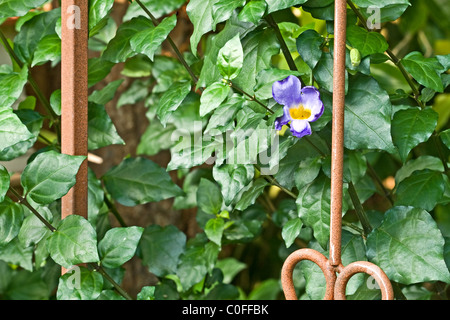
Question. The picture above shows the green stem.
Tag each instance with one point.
(440, 151)
(25, 202)
(119, 289)
(114, 211)
(274, 182)
(362, 216)
(284, 48)
(252, 98)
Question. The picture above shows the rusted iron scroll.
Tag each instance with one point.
(336, 274)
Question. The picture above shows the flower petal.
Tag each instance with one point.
(287, 91)
(284, 119)
(311, 100)
(300, 128)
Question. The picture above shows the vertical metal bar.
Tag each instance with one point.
(337, 153)
(74, 98)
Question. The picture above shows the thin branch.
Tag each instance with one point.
(112, 208)
(360, 212)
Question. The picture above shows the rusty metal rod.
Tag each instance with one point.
(337, 141)
(74, 98)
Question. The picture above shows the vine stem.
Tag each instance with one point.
(360, 212)
(95, 266)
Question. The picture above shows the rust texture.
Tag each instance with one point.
(74, 98)
(336, 275)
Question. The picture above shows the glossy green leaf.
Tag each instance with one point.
(250, 195)
(4, 182)
(106, 94)
(223, 9)
(308, 46)
(209, 197)
(231, 58)
(171, 100)
(155, 138)
(313, 205)
(276, 5)
(32, 32)
(420, 163)
(148, 41)
(222, 117)
(307, 171)
(11, 85)
(212, 97)
(33, 230)
(101, 130)
(232, 179)
(422, 189)
(119, 245)
(214, 230)
(426, 71)
(95, 195)
(50, 176)
(291, 230)
(253, 11)
(411, 127)
(79, 283)
(17, 8)
(445, 137)
(11, 217)
(408, 246)
(119, 48)
(323, 72)
(139, 180)
(99, 11)
(366, 42)
(73, 242)
(368, 115)
(161, 248)
(48, 49)
(200, 13)
(98, 69)
(157, 7)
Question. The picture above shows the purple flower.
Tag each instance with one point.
(300, 105)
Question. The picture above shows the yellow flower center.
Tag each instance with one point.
(300, 113)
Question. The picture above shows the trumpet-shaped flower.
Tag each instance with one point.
(300, 105)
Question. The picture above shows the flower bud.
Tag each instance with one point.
(355, 57)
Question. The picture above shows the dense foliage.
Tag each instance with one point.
(259, 193)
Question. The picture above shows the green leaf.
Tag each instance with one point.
(232, 179)
(171, 100)
(291, 230)
(148, 41)
(73, 242)
(48, 49)
(161, 248)
(138, 180)
(32, 32)
(253, 11)
(259, 46)
(95, 195)
(50, 176)
(99, 11)
(11, 85)
(212, 97)
(445, 137)
(276, 5)
(11, 217)
(155, 138)
(17, 8)
(367, 115)
(101, 130)
(33, 230)
(426, 71)
(223, 9)
(231, 58)
(307, 171)
(313, 203)
(408, 246)
(4, 182)
(250, 195)
(98, 69)
(420, 163)
(12, 131)
(366, 42)
(79, 283)
(146, 293)
(106, 94)
(323, 72)
(223, 116)
(119, 48)
(200, 13)
(16, 253)
(214, 230)
(308, 46)
(209, 197)
(422, 189)
(157, 7)
(411, 127)
(55, 101)
(119, 245)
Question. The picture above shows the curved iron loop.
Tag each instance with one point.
(287, 281)
(369, 268)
